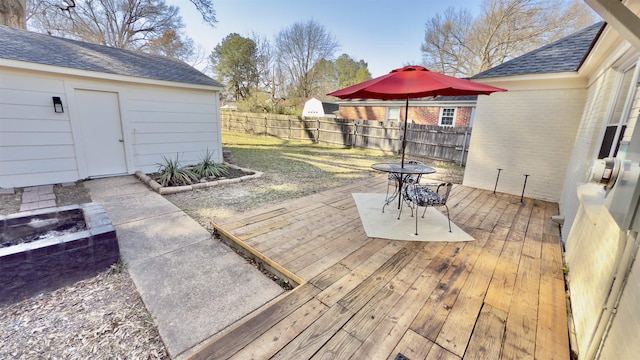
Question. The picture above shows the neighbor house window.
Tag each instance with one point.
(619, 117)
(446, 116)
(393, 114)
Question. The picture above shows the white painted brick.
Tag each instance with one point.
(524, 132)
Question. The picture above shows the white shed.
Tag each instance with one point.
(316, 108)
(72, 110)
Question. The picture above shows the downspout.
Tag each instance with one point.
(625, 258)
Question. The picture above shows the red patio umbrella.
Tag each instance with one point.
(412, 82)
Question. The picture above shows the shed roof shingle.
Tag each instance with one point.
(21, 45)
(566, 54)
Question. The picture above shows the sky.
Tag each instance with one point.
(387, 34)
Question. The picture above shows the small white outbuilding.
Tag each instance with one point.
(316, 108)
(72, 110)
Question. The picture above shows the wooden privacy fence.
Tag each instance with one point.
(425, 141)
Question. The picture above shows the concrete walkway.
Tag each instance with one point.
(193, 285)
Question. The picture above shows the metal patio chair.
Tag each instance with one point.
(408, 179)
(416, 195)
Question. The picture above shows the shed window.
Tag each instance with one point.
(619, 117)
(393, 114)
(447, 116)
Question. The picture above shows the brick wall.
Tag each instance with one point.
(524, 132)
(586, 144)
(378, 113)
(419, 114)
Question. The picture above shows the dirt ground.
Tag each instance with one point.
(102, 317)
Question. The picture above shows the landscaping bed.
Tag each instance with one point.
(235, 174)
(101, 317)
(52, 247)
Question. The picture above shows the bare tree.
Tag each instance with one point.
(299, 48)
(12, 13)
(266, 65)
(129, 24)
(445, 49)
(460, 45)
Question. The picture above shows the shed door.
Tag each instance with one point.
(102, 141)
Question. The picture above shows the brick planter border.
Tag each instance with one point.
(176, 189)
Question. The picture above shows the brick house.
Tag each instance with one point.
(453, 111)
(569, 104)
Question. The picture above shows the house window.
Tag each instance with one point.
(619, 117)
(447, 116)
(393, 114)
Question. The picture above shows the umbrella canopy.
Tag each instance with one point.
(412, 82)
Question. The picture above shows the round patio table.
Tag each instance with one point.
(402, 172)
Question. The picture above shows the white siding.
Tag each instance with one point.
(173, 123)
(524, 132)
(39, 146)
(36, 144)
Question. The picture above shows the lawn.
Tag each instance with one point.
(291, 169)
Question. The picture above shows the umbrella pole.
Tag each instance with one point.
(406, 123)
(404, 145)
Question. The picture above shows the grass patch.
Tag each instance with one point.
(315, 162)
(291, 169)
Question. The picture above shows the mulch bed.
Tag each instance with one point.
(102, 317)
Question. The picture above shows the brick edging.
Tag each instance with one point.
(176, 189)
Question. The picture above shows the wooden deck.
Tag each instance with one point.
(499, 297)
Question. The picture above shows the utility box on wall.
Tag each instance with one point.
(621, 178)
(622, 199)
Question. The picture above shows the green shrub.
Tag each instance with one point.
(207, 167)
(171, 173)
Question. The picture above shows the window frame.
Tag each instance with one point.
(442, 115)
(389, 109)
(620, 122)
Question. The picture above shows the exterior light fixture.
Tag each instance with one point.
(57, 105)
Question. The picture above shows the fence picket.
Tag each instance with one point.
(425, 141)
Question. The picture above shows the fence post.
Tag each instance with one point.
(266, 128)
(352, 137)
(355, 134)
(464, 146)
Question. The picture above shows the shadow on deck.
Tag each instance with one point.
(500, 296)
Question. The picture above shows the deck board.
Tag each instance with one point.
(500, 296)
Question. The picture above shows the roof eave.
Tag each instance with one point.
(527, 77)
(621, 16)
(541, 81)
(23, 65)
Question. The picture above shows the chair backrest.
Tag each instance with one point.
(417, 178)
(446, 191)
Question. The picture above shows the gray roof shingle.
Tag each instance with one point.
(566, 54)
(21, 45)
